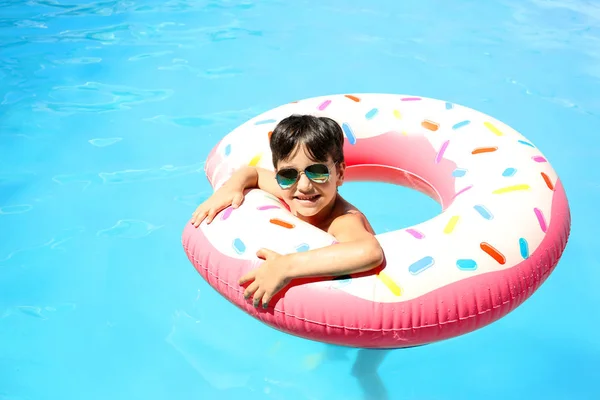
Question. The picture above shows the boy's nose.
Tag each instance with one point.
(304, 183)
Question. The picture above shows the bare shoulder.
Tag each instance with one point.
(349, 220)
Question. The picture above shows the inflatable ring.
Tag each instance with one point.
(504, 224)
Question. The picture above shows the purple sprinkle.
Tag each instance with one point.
(440, 154)
(462, 191)
(538, 159)
(269, 207)
(415, 233)
(324, 105)
(411, 99)
(541, 219)
(226, 213)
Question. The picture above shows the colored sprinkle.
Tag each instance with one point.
(451, 224)
(335, 242)
(509, 189)
(270, 133)
(226, 213)
(239, 246)
(440, 153)
(449, 106)
(524, 247)
(264, 121)
(526, 143)
(459, 172)
(461, 191)
(541, 219)
(371, 114)
(492, 252)
(387, 281)
(461, 124)
(349, 133)
(410, 99)
(227, 150)
(432, 126)
(354, 98)
(493, 128)
(483, 211)
(508, 172)
(397, 114)
(269, 207)
(255, 160)
(466, 264)
(539, 159)
(421, 265)
(324, 105)
(548, 181)
(271, 197)
(303, 247)
(415, 233)
(481, 150)
(283, 224)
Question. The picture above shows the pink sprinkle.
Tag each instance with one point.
(462, 191)
(411, 99)
(324, 105)
(226, 213)
(415, 233)
(541, 219)
(538, 159)
(269, 207)
(440, 154)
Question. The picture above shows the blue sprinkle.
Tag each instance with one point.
(239, 246)
(461, 124)
(449, 106)
(526, 143)
(349, 134)
(421, 265)
(302, 247)
(265, 121)
(227, 150)
(466, 264)
(459, 172)
(371, 113)
(508, 172)
(524, 247)
(483, 211)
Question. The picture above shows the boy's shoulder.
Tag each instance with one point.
(346, 213)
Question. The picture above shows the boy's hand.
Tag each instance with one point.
(224, 197)
(268, 279)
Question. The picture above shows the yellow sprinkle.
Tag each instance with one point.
(397, 114)
(404, 133)
(492, 128)
(510, 189)
(451, 224)
(254, 162)
(387, 281)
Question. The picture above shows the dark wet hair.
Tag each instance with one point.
(322, 137)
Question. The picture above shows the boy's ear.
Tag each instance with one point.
(341, 169)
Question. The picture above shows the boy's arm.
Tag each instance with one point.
(357, 251)
(254, 177)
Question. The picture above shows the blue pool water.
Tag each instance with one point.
(108, 110)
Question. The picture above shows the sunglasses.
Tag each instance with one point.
(287, 177)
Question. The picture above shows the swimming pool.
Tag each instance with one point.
(107, 113)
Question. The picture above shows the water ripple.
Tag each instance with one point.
(103, 142)
(129, 228)
(99, 97)
(16, 209)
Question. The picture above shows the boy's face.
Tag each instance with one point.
(305, 197)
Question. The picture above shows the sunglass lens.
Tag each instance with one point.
(287, 177)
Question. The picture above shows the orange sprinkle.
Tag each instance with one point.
(495, 254)
(277, 221)
(548, 181)
(356, 99)
(432, 126)
(270, 133)
(484, 150)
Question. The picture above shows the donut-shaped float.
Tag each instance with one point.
(504, 224)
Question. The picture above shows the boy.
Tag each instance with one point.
(309, 167)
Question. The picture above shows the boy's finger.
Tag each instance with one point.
(250, 289)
